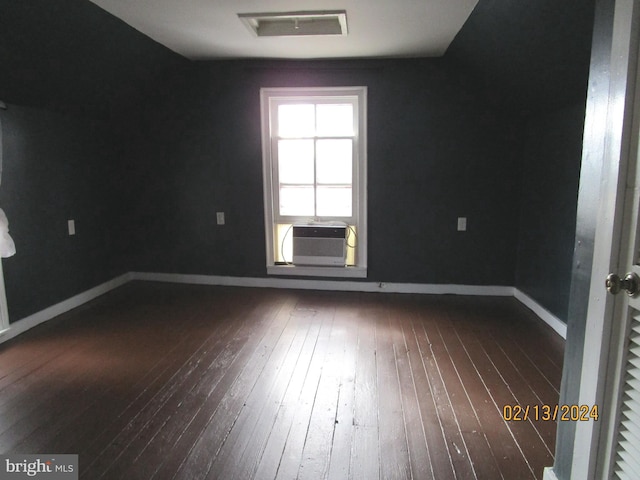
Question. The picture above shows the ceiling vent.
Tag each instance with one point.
(289, 24)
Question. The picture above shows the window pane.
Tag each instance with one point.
(335, 120)
(295, 161)
(296, 120)
(334, 161)
(334, 201)
(296, 201)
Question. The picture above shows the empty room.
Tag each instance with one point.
(319, 239)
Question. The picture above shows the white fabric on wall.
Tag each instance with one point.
(7, 246)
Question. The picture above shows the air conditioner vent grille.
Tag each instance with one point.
(303, 23)
(319, 245)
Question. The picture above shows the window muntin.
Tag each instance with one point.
(313, 154)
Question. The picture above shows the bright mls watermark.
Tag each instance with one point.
(50, 467)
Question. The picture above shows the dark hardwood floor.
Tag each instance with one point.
(160, 381)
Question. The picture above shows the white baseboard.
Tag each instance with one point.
(548, 317)
(31, 321)
(549, 474)
(20, 326)
(347, 286)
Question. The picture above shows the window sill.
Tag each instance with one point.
(310, 271)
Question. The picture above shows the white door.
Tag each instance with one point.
(618, 455)
(610, 375)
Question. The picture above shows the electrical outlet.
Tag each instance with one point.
(220, 218)
(462, 224)
(71, 226)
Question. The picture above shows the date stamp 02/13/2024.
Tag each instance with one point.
(562, 413)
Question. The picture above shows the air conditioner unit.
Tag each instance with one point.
(323, 245)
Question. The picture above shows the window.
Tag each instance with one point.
(314, 160)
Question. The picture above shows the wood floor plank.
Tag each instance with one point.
(535, 439)
(419, 456)
(216, 420)
(475, 441)
(522, 392)
(365, 451)
(24, 409)
(293, 449)
(103, 386)
(544, 343)
(154, 393)
(546, 391)
(282, 423)
(246, 456)
(324, 414)
(234, 404)
(161, 381)
(535, 340)
(340, 458)
(448, 414)
(150, 427)
(504, 448)
(394, 464)
(432, 423)
(239, 451)
(178, 437)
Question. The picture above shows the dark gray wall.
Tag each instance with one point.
(70, 74)
(434, 153)
(531, 61)
(72, 56)
(529, 56)
(548, 199)
(57, 167)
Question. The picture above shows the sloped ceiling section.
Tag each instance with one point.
(527, 56)
(71, 55)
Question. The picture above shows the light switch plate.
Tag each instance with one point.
(220, 218)
(462, 224)
(71, 226)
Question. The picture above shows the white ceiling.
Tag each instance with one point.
(211, 29)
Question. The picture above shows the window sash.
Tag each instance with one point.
(315, 184)
(283, 217)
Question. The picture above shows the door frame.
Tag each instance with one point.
(608, 141)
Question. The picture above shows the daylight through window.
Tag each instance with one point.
(314, 149)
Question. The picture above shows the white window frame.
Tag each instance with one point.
(269, 99)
